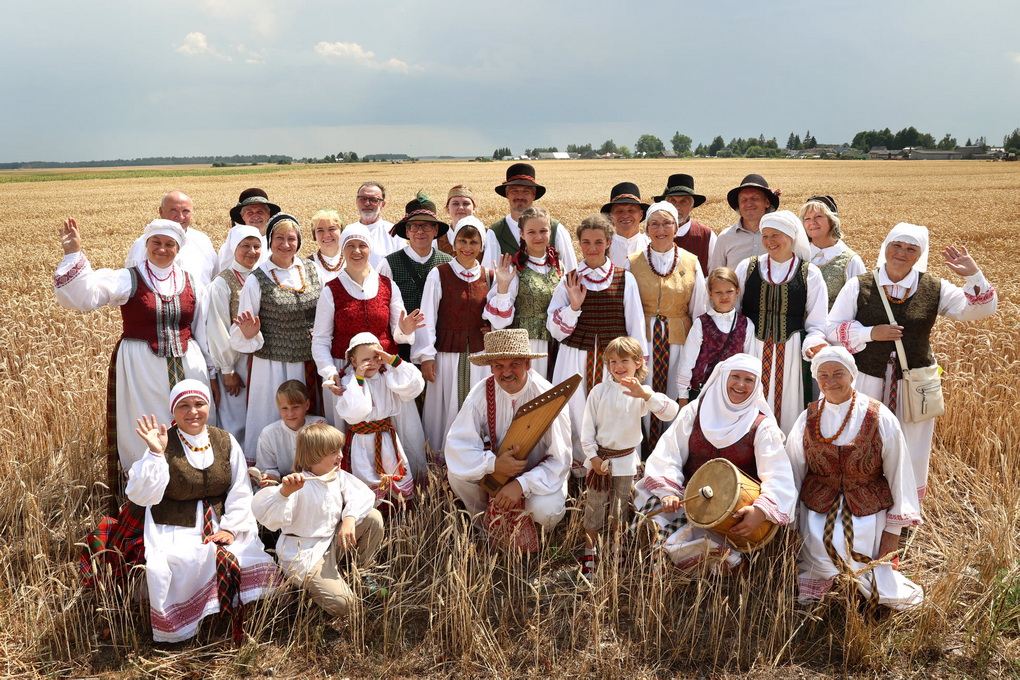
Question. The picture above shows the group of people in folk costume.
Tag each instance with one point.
(334, 377)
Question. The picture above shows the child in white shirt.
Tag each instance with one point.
(274, 455)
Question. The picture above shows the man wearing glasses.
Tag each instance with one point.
(370, 201)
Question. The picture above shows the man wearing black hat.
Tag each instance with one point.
(691, 235)
(753, 199)
(197, 256)
(504, 237)
(627, 212)
(410, 266)
(370, 201)
(254, 210)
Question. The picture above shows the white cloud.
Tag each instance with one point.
(1014, 57)
(196, 44)
(359, 55)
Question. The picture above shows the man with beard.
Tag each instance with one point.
(370, 201)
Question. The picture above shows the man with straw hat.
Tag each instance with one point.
(691, 235)
(504, 236)
(627, 212)
(476, 434)
(752, 199)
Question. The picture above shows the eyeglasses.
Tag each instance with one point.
(372, 200)
(414, 228)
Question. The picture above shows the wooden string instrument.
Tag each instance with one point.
(528, 425)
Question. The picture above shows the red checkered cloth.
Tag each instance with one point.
(114, 547)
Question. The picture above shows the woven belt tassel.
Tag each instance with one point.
(593, 366)
(891, 382)
(228, 577)
(774, 353)
(848, 534)
(380, 428)
(113, 476)
(463, 377)
(174, 370)
(660, 373)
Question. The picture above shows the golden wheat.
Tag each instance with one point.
(454, 607)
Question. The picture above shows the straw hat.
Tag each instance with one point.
(509, 343)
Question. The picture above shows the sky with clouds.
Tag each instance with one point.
(124, 79)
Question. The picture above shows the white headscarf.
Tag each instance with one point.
(662, 206)
(239, 233)
(788, 223)
(169, 228)
(465, 221)
(833, 353)
(189, 388)
(355, 232)
(913, 234)
(722, 421)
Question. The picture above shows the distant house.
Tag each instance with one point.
(883, 153)
(934, 155)
(666, 153)
(556, 155)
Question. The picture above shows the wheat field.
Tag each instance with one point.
(455, 609)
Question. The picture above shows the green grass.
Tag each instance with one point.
(12, 176)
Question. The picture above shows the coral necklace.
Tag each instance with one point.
(651, 264)
(603, 279)
(846, 421)
(788, 271)
(327, 266)
(153, 278)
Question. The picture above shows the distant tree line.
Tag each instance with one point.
(153, 160)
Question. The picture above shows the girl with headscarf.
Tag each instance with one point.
(730, 419)
(785, 296)
(275, 315)
(244, 243)
(358, 300)
(163, 310)
(858, 321)
(857, 488)
(202, 550)
(833, 258)
(673, 294)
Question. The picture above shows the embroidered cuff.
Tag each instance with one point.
(843, 336)
(560, 318)
(980, 298)
(771, 510)
(495, 311)
(899, 521)
(61, 280)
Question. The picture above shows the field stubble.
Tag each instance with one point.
(454, 608)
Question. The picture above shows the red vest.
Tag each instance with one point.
(854, 470)
(696, 242)
(352, 316)
(163, 322)
(459, 319)
(740, 452)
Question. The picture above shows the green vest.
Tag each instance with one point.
(410, 275)
(834, 274)
(531, 309)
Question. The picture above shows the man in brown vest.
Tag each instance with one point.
(691, 235)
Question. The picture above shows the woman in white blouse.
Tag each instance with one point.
(829, 253)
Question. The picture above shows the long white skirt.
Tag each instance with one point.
(143, 388)
(180, 572)
(441, 405)
(917, 435)
(815, 570)
(266, 378)
(793, 380)
(233, 411)
(572, 361)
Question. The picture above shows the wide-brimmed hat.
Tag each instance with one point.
(624, 193)
(753, 181)
(250, 197)
(680, 184)
(509, 343)
(419, 208)
(521, 174)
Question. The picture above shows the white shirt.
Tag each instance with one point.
(277, 446)
(622, 248)
(382, 243)
(612, 420)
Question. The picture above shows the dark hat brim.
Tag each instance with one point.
(539, 189)
(400, 228)
(698, 198)
(731, 197)
(235, 212)
(608, 207)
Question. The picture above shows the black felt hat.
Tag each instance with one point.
(680, 185)
(419, 208)
(753, 182)
(521, 174)
(625, 193)
(250, 197)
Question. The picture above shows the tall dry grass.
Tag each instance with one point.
(455, 608)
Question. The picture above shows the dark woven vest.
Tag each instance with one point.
(696, 241)
(352, 316)
(235, 290)
(531, 308)
(854, 470)
(777, 309)
(917, 315)
(602, 316)
(287, 317)
(508, 245)
(834, 273)
(716, 346)
(740, 452)
(459, 318)
(163, 322)
(188, 485)
(410, 275)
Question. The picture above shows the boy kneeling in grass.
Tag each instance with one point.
(322, 511)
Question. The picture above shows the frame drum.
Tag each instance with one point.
(714, 492)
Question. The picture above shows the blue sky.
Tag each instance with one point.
(124, 79)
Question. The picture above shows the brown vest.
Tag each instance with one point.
(459, 317)
(696, 241)
(667, 296)
(854, 470)
(602, 316)
(917, 315)
(188, 485)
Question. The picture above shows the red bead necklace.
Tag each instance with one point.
(651, 264)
